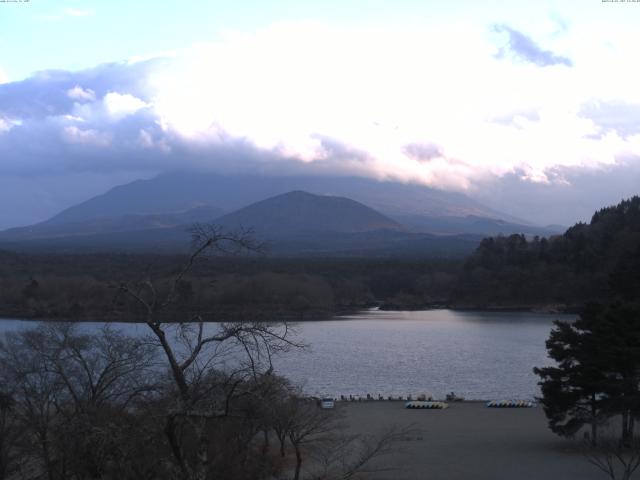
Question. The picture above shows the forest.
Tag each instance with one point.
(238, 287)
(599, 259)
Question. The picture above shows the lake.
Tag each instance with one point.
(478, 355)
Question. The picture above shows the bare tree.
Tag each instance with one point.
(348, 457)
(332, 453)
(308, 424)
(193, 352)
(107, 368)
(10, 433)
(37, 393)
(70, 391)
(617, 459)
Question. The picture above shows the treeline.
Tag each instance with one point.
(58, 286)
(598, 260)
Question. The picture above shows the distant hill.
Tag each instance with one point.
(301, 212)
(180, 191)
(292, 224)
(590, 261)
(155, 213)
(147, 203)
(473, 224)
(110, 224)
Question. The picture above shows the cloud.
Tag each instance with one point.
(77, 135)
(613, 115)
(120, 105)
(523, 47)
(78, 93)
(7, 124)
(431, 106)
(570, 195)
(307, 101)
(517, 119)
(423, 152)
(46, 92)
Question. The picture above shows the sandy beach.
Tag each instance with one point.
(470, 441)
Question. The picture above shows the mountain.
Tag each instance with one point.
(417, 207)
(110, 224)
(473, 224)
(299, 212)
(292, 224)
(351, 215)
(179, 191)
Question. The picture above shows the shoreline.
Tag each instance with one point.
(543, 308)
(341, 316)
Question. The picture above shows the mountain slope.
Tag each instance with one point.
(180, 191)
(472, 224)
(111, 224)
(301, 212)
(292, 224)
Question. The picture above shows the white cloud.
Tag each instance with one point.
(378, 90)
(73, 134)
(4, 78)
(79, 93)
(294, 90)
(73, 118)
(7, 124)
(120, 105)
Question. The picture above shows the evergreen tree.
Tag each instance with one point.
(573, 392)
(617, 330)
(598, 371)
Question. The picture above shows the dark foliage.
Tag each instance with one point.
(598, 371)
(595, 260)
(77, 286)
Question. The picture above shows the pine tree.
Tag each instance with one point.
(598, 371)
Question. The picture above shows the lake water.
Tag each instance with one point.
(478, 355)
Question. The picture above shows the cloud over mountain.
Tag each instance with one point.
(432, 105)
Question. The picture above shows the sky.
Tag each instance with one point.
(531, 107)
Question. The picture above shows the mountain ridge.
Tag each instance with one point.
(302, 212)
(292, 224)
(111, 224)
(178, 191)
(157, 212)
